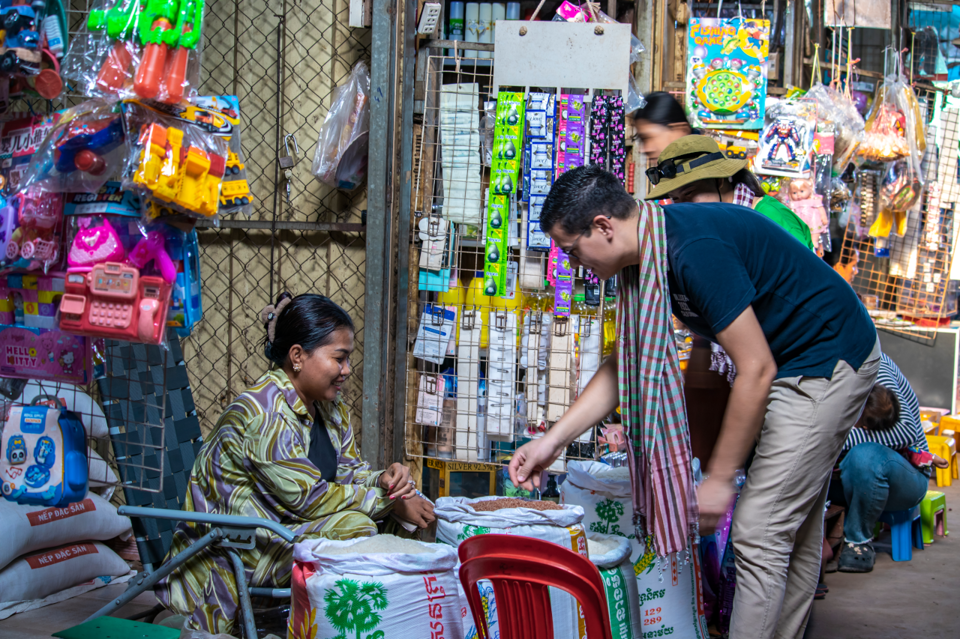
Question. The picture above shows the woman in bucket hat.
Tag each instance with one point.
(693, 169)
(806, 353)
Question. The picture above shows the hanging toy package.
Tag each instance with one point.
(175, 166)
(341, 156)
(895, 129)
(836, 109)
(103, 55)
(81, 152)
(786, 142)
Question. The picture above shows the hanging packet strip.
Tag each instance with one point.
(564, 285)
(607, 147)
(574, 113)
(438, 325)
(504, 176)
(538, 164)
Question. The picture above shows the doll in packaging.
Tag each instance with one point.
(809, 207)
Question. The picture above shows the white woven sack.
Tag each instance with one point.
(37, 575)
(457, 521)
(30, 528)
(671, 596)
(604, 493)
(674, 601)
(620, 586)
(379, 595)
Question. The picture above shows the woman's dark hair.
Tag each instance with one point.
(745, 177)
(882, 410)
(661, 108)
(308, 320)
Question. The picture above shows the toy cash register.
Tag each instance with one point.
(114, 300)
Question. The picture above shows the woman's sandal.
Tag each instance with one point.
(857, 557)
(822, 591)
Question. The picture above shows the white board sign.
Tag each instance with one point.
(562, 54)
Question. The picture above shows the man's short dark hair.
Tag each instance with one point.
(581, 194)
(882, 410)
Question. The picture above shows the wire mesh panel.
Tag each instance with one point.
(489, 370)
(904, 257)
(284, 62)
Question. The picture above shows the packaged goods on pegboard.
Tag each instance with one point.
(508, 333)
(899, 224)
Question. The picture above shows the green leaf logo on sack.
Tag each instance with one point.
(352, 608)
(610, 512)
(472, 531)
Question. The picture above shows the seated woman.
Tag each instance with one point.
(700, 172)
(885, 465)
(284, 450)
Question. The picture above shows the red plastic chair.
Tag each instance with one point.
(521, 569)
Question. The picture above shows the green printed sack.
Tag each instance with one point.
(611, 556)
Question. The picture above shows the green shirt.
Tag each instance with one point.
(786, 219)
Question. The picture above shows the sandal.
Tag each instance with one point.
(857, 557)
(822, 591)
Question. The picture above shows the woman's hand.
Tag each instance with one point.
(396, 481)
(940, 462)
(417, 511)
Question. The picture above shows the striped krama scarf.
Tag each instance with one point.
(651, 396)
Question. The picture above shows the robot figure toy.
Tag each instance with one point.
(782, 134)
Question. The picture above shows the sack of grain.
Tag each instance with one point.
(38, 575)
(673, 601)
(30, 528)
(375, 588)
(604, 493)
(611, 555)
(671, 597)
(459, 518)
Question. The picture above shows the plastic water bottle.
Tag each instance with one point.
(51, 29)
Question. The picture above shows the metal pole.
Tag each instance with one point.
(146, 582)
(409, 52)
(276, 163)
(243, 592)
(378, 227)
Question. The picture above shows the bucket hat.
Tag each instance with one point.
(690, 159)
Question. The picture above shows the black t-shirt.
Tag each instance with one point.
(724, 258)
(322, 454)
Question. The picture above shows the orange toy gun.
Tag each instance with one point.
(120, 23)
(167, 25)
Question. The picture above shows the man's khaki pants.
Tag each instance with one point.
(778, 524)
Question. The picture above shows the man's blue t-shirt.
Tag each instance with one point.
(724, 258)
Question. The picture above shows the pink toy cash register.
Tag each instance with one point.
(114, 300)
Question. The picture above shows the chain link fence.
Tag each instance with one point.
(284, 61)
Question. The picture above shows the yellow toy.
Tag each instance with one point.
(235, 192)
(186, 178)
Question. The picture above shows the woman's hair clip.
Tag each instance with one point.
(270, 314)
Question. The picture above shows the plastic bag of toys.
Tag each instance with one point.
(895, 129)
(105, 53)
(82, 151)
(786, 142)
(341, 156)
(836, 108)
(147, 48)
(175, 166)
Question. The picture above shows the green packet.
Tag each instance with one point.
(503, 180)
(510, 110)
(496, 250)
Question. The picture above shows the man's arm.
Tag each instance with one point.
(745, 343)
(599, 399)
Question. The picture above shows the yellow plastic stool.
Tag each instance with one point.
(945, 447)
(947, 422)
(933, 515)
